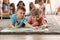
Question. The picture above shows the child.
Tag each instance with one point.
(5, 6)
(12, 8)
(18, 20)
(36, 19)
(31, 6)
(20, 3)
(42, 7)
(0, 10)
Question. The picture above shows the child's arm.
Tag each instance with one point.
(30, 26)
(35, 24)
(11, 24)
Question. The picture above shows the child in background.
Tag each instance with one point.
(21, 3)
(36, 19)
(0, 10)
(42, 7)
(12, 8)
(31, 6)
(5, 6)
(18, 19)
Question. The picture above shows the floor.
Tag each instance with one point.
(29, 37)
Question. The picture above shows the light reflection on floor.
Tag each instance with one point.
(29, 37)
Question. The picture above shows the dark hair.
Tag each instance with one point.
(20, 2)
(21, 7)
(39, 1)
(13, 5)
(35, 12)
(30, 5)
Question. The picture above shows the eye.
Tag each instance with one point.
(20, 12)
(37, 16)
(33, 17)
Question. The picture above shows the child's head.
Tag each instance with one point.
(20, 11)
(20, 3)
(35, 14)
(12, 6)
(31, 5)
(40, 2)
(5, 2)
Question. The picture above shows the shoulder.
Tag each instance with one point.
(13, 16)
(29, 18)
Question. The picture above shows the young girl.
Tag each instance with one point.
(42, 7)
(12, 8)
(5, 6)
(36, 19)
(21, 3)
(0, 10)
(31, 6)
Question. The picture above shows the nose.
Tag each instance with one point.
(22, 14)
(35, 18)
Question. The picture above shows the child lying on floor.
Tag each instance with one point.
(36, 19)
(18, 20)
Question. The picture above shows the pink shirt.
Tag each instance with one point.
(31, 21)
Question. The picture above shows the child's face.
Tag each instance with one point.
(11, 8)
(20, 13)
(20, 4)
(6, 1)
(40, 3)
(32, 5)
(35, 17)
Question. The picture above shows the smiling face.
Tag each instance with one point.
(20, 13)
(35, 18)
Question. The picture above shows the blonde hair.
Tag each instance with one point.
(35, 12)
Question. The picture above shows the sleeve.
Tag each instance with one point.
(24, 20)
(29, 19)
(12, 19)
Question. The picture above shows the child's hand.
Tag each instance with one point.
(44, 26)
(35, 24)
(35, 28)
(17, 26)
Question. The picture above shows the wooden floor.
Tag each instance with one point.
(29, 37)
